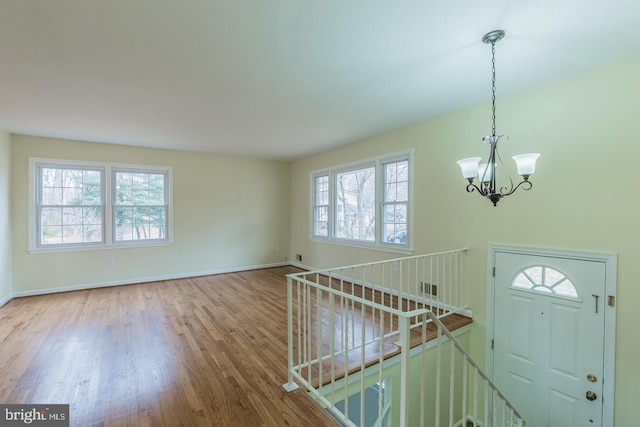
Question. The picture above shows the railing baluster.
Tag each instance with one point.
(290, 383)
(431, 283)
(452, 383)
(504, 413)
(475, 397)
(486, 403)
(403, 324)
(332, 338)
(363, 321)
(388, 290)
(381, 400)
(423, 369)
(345, 349)
(438, 373)
(465, 372)
(319, 336)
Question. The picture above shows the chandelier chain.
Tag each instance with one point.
(493, 87)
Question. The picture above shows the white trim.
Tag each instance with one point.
(382, 247)
(6, 299)
(138, 280)
(107, 226)
(414, 298)
(377, 244)
(101, 246)
(610, 260)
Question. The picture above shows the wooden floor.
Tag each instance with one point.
(327, 370)
(207, 351)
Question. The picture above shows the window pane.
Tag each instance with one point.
(62, 193)
(321, 221)
(51, 196)
(396, 196)
(124, 223)
(51, 235)
(355, 204)
(396, 179)
(140, 206)
(321, 206)
(545, 280)
(91, 188)
(346, 202)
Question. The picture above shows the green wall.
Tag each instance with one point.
(229, 213)
(588, 131)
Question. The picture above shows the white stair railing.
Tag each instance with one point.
(352, 327)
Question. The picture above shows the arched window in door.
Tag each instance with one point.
(545, 280)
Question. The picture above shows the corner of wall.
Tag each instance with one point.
(6, 276)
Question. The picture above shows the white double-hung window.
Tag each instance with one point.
(78, 205)
(365, 203)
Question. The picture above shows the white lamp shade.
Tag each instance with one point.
(526, 163)
(469, 167)
(485, 172)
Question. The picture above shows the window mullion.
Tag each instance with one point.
(358, 202)
(107, 206)
(72, 204)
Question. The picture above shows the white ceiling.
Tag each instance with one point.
(282, 78)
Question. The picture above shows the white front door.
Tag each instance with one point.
(548, 348)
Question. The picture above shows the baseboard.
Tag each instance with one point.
(140, 280)
(302, 266)
(5, 300)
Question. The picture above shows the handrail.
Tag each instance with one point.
(386, 261)
(441, 327)
(348, 326)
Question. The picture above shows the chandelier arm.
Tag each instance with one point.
(525, 184)
(505, 191)
(487, 172)
(471, 187)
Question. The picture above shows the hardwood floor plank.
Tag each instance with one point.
(202, 351)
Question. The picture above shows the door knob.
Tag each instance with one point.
(591, 395)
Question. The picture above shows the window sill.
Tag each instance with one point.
(370, 246)
(97, 247)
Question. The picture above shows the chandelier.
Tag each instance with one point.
(472, 168)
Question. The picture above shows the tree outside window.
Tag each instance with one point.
(71, 209)
(139, 205)
(367, 203)
(70, 205)
(356, 201)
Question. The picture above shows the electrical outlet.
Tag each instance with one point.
(277, 248)
(299, 257)
(111, 262)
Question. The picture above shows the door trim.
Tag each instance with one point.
(610, 260)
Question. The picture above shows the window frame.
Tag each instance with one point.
(379, 164)
(114, 206)
(315, 206)
(383, 197)
(333, 201)
(40, 205)
(108, 192)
